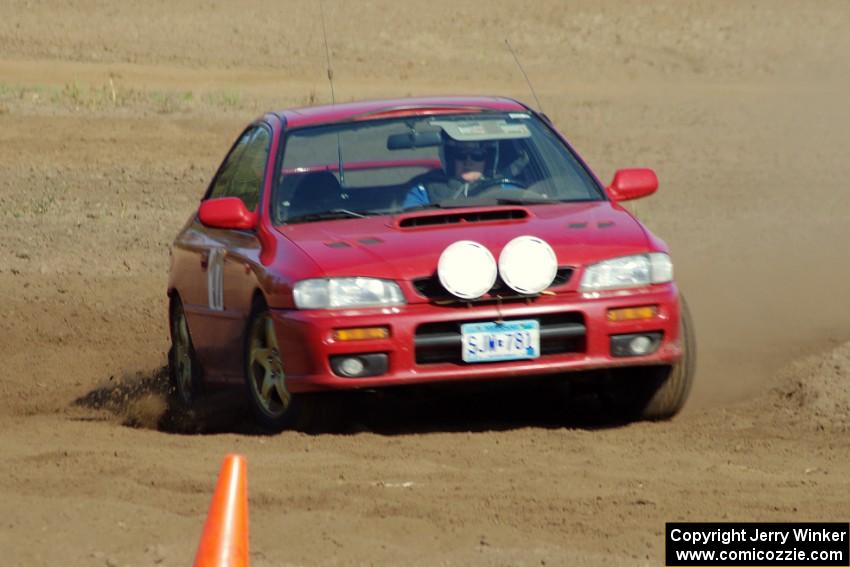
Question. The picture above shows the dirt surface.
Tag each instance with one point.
(112, 120)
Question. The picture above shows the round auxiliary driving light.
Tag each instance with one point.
(467, 269)
(528, 264)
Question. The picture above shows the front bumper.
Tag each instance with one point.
(307, 343)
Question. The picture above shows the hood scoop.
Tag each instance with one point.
(478, 215)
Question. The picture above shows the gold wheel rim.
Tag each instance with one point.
(265, 369)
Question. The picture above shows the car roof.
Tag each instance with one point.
(326, 114)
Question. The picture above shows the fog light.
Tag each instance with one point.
(640, 345)
(351, 366)
(360, 365)
(635, 344)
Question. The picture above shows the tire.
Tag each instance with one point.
(666, 389)
(184, 372)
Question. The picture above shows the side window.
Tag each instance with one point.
(248, 178)
(225, 176)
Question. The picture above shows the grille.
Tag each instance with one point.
(431, 287)
(560, 333)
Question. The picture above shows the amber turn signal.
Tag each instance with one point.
(633, 313)
(361, 333)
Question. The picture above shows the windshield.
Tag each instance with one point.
(390, 166)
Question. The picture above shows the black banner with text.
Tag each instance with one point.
(762, 544)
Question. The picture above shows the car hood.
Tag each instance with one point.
(400, 248)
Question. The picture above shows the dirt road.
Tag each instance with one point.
(112, 120)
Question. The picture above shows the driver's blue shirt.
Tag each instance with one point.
(416, 197)
(420, 194)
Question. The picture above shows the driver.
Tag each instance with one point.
(465, 164)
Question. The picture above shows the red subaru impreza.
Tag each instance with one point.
(385, 243)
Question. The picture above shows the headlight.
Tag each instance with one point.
(628, 271)
(338, 293)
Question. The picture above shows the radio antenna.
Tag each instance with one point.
(518, 64)
(327, 53)
(341, 170)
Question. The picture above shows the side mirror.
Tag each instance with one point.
(227, 212)
(632, 184)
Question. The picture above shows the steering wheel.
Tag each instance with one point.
(484, 185)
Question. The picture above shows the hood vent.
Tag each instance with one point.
(489, 215)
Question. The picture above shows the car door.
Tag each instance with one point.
(233, 255)
(198, 258)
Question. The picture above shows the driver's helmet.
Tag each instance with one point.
(458, 150)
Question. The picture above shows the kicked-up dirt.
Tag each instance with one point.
(112, 120)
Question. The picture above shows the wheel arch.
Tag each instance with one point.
(258, 300)
(173, 294)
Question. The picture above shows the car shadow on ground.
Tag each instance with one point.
(147, 400)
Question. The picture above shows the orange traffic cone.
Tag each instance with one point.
(224, 542)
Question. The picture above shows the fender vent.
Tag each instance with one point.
(490, 215)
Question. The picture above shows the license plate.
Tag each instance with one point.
(508, 340)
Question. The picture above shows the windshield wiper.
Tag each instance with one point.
(472, 202)
(327, 215)
(449, 204)
(423, 207)
(539, 201)
(520, 201)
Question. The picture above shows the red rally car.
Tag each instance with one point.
(385, 243)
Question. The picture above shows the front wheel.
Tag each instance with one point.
(270, 401)
(274, 406)
(666, 389)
